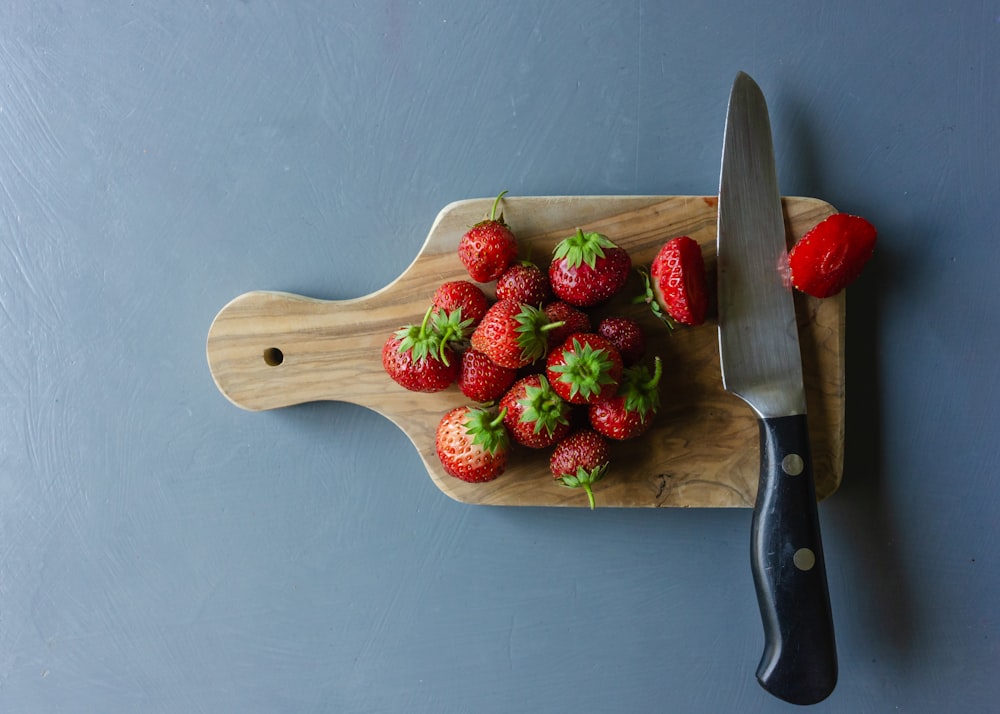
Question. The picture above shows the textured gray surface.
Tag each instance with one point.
(163, 551)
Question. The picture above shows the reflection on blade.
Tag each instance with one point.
(758, 335)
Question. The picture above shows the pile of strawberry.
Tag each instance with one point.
(541, 374)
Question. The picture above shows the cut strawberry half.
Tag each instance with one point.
(676, 284)
(831, 256)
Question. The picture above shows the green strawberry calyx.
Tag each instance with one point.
(581, 248)
(423, 341)
(585, 369)
(585, 479)
(493, 211)
(487, 429)
(532, 330)
(450, 328)
(649, 298)
(640, 390)
(493, 217)
(543, 407)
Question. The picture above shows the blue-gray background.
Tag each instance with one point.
(164, 551)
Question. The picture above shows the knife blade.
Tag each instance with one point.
(761, 363)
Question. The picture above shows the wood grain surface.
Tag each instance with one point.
(272, 349)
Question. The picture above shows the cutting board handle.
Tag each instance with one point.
(275, 349)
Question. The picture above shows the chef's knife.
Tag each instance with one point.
(761, 363)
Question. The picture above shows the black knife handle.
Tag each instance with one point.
(799, 663)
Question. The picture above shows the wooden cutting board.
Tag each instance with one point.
(274, 349)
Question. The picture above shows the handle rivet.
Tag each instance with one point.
(793, 464)
(804, 559)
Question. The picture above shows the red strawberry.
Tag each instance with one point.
(472, 444)
(581, 460)
(488, 247)
(626, 335)
(679, 282)
(572, 319)
(512, 334)
(585, 368)
(524, 282)
(630, 411)
(481, 379)
(588, 269)
(535, 415)
(420, 358)
(831, 256)
(461, 294)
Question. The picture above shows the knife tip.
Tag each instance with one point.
(746, 86)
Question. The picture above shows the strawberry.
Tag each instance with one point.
(585, 368)
(512, 334)
(678, 282)
(581, 460)
(831, 255)
(535, 415)
(488, 247)
(472, 444)
(481, 379)
(588, 269)
(420, 357)
(570, 318)
(524, 282)
(630, 411)
(626, 335)
(461, 294)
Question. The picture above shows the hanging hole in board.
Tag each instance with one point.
(273, 356)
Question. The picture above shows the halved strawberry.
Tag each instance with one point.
(472, 444)
(679, 282)
(588, 269)
(581, 460)
(629, 413)
(831, 255)
(535, 415)
(488, 247)
(585, 368)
